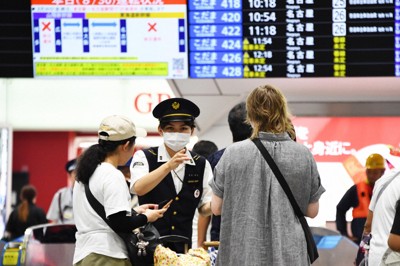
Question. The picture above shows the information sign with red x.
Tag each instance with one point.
(152, 27)
(46, 26)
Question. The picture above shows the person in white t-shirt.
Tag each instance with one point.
(97, 243)
(383, 207)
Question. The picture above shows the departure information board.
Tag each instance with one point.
(293, 38)
(132, 38)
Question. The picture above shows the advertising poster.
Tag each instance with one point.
(340, 146)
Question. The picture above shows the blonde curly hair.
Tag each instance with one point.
(267, 111)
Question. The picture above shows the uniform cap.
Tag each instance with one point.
(375, 161)
(70, 165)
(176, 109)
(117, 127)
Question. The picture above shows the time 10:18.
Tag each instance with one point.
(262, 3)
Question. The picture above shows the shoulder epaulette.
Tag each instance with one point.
(196, 157)
(152, 152)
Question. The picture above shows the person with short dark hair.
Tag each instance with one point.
(60, 210)
(97, 242)
(237, 123)
(171, 171)
(205, 148)
(25, 215)
(240, 131)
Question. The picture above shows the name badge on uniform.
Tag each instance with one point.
(196, 193)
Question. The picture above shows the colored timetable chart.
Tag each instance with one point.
(293, 38)
(124, 38)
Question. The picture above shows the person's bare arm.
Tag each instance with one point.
(205, 209)
(312, 209)
(216, 205)
(202, 226)
(152, 179)
(368, 223)
(394, 242)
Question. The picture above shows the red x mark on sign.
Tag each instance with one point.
(152, 27)
(46, 26)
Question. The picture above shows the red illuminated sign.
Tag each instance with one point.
(145, 102)
(350, 140)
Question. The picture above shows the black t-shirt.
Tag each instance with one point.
(17, 228)
(396, 222)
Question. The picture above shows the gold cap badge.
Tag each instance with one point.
(175, 105)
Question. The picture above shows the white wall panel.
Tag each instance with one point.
(73, 104)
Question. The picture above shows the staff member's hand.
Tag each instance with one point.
(154, 215)
(142, 208)
(177, 159)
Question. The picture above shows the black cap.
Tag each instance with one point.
(176, 109)
(70, 165)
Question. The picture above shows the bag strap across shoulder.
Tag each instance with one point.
(279, 176)
(60, 213)
(384, 186)
(312, 249)
(96, 205)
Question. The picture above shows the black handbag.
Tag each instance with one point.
(312, 249)
(140, 244)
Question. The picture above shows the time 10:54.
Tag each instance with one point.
(262, 16)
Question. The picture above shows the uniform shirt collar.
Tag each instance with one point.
(163, 155)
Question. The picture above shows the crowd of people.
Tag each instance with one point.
(177, 189)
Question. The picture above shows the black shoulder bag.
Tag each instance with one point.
(311, 246)
(60, 214)
(140, 244)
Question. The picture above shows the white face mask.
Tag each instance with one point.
(176, 141)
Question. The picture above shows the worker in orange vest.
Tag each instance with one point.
(358, 198)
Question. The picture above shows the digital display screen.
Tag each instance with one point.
(216, 39)
(132, 38)
(293, 38)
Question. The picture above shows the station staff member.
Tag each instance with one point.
(171, 171)
(358, 197)
(60, 210)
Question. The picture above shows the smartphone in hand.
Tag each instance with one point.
(166, 206)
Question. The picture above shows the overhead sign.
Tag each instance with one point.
(133, 38)
(293, 39)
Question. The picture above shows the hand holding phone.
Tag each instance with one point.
(166, 206)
